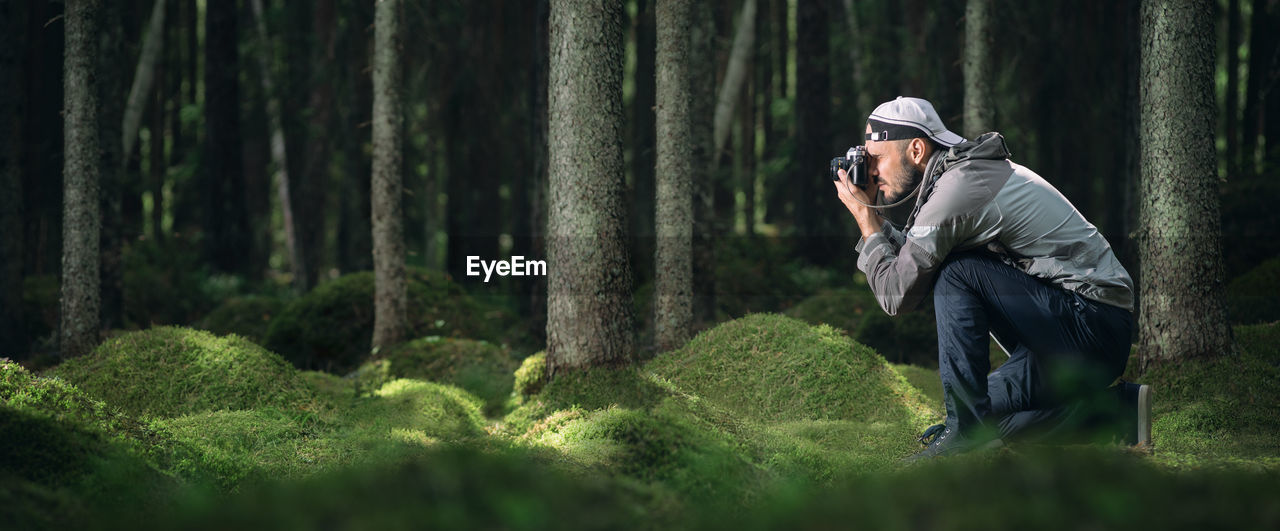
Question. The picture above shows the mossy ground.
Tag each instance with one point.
(331, 327)
(171, 371)
(761, 422)
(484, 369)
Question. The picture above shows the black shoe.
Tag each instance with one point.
(1137, 408)
(940, 441)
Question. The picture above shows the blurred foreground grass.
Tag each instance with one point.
(762, 422)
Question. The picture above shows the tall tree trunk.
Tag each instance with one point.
(81, 169)
(673, 269)
(390, 300)
(1262, 47)
(979, 101)
(144, 76)
(226, 222)
(1231, 112)
(12, 48)
(702, 67)
(589, 316)
(642, 142)
(114, 183)
(776, 203)
(735, 74)
(814, 215)
(315, 174)
(279, 156)
(1182, 274)
(538, 199)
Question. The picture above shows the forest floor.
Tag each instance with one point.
(761, 422)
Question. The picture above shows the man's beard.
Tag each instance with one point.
(910, 176)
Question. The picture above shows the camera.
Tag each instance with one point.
(854, 162)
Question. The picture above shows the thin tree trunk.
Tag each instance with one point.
(279, 157)
(589, 315)
(81, 221)
(979, 101)
(390, 299)
(12, 48)
(1262, 39)
(319, 147)
(1232, 103)
(673, 269)
(143, 78)
(702, 109)
(642, 142)
(815, 219)
(226, 223)
(735, 75)
(114, 183)
(1183, 314)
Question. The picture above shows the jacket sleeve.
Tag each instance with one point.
(900, 267)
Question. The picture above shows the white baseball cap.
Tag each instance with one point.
(905, 118)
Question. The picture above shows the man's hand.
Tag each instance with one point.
(868, 219)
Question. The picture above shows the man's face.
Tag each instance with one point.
(891, 169)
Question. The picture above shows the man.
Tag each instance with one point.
(1006, 255)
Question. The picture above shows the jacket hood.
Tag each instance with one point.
(988, 146)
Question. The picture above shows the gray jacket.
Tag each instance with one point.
(973, 197)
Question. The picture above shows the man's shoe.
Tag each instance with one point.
(1137, 407)
(940, 441)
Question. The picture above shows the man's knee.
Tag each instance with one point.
(958, 273)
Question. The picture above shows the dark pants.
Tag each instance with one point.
(1065, 350)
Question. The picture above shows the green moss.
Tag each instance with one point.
(238, 447)
(248, 316)
(1254, 297)
(531, 376)
(907, 338)
(774, 368)
(1222, 407)
(481, 368)
(172, 371)
(331, 327)
(590, 389)
(39, 306)
(926, 380)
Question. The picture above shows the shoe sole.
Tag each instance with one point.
(1144, 416)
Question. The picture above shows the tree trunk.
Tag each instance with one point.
(538, 199)
(735, 74)
(815, 217)
(390, 300)
(315, 181)
(979, 104)
(1182, 274)
(12, 48)
(673, 269)
(702, 69)
(1262, 47)
(1231, 110)
(143, 76)
(279, 157)
(642, 142)
(589, 316)
(226, 221)
(81, 169)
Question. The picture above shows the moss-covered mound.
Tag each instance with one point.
(907, 338)
(775, 368)
(1221, 407)
(588, 390)
(481, 368)
(172, 371)
(1254, 297)
(330, 328)
(448, 488)
(248, 316)
(414, 411)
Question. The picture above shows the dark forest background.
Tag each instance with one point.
(192, 217)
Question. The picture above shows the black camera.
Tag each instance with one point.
(854, 162)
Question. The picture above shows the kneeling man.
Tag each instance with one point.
(1006, 256)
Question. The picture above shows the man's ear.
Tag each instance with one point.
(917, 150)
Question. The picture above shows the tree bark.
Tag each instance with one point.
(81, 220)
(312, 190)
(390, 299)
(979, 104)
(1182, 312)
(673, 269)
(279, 156)
(589, 316)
